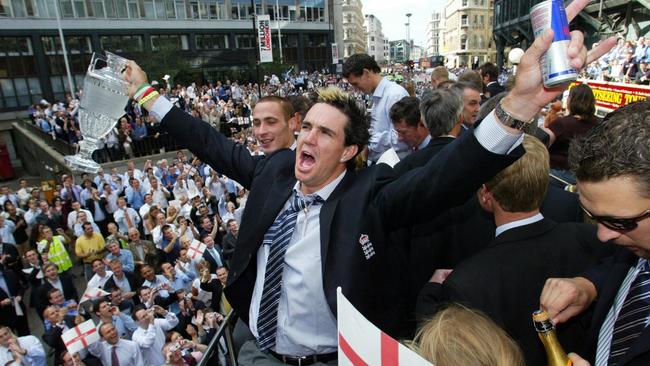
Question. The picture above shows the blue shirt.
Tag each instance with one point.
(135, 198)
(139, 131)
(126, 258)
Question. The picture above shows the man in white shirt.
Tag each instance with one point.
(112, 350)
(110, 196)
(363, 73)
(26, 350)
(150, 335)
(72, 216)
(125, 217)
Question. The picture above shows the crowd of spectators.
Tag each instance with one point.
(130, 235)
(627, 62)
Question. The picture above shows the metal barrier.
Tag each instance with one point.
(149, 145)
(215, 350)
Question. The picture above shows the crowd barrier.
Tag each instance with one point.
(220, 349)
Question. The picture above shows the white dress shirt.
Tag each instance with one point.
(35, 353)
(152, 339)
(128, 353)
(385, 95)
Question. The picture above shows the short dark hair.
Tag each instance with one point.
(356, 130)
(138, 307)
(355, 64)
(582, 102)
(618, 146)
(470, 80)
(97, 303)
(285, 105)
(407, 109)
(300, 104)
(490, 70)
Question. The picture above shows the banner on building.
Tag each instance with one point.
(264, 38)
(335, 53)
(363, 344)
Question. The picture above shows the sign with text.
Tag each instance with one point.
(264, 38)
(610, 96)
(335, 53)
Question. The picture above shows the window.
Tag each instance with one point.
(464, 3)
(169, 42)
(463, 20)
(122, 44)
(372, 48)
(122, 10)
(463, 42)
(211, 41)
(19, 84)
(244, 41)
(372, 39)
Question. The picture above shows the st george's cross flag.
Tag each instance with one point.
(92, 294)
(196, 249)
(363, 344)
(80, 337)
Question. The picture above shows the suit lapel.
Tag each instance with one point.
(327, 216)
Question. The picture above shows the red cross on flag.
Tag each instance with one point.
(363, 344)
(93, 293)
(80, 337)
(196, 249)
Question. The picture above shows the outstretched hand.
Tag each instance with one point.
(529, 95)
(135, 76)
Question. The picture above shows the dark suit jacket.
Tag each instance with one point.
(90, 206)
(229, 243)
(53, 339)
(13, 260)
(608, 277)
(211, 260)
(370, 202)
(9, 316)
(69, 292)
(421, 157)
(494, 89)
(506, 279)
(133, 280)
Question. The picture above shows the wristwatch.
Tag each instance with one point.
(507, 119)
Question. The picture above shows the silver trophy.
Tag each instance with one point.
(105, 94)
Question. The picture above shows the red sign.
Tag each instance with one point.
(610, 96)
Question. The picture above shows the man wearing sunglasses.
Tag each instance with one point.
(612, 164)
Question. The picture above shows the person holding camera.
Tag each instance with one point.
(150, 335)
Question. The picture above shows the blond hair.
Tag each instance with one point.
(522, 186)
(461, 336)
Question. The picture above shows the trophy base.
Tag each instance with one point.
(77, 163)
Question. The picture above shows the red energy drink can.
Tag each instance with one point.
(556, 68)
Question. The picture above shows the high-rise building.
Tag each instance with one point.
(211, 35)
(375, 38)
(467, 37)
(435, 26)
(354, 36)
(400, 51)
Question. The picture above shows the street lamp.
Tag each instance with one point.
(514, 56)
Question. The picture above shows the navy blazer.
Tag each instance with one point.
(607, 277)
(365, 206)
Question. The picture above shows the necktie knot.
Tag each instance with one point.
(300, 202)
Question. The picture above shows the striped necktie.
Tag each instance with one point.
(277, 238)
(632, 317)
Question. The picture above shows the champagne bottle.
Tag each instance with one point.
(546, 332)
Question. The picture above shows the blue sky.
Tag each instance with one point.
(392, 14)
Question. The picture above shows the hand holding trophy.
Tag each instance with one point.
(105, 95)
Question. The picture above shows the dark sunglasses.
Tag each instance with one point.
(616, 223)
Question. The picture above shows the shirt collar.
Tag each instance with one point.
(379, 90)
(511, 225)
(425, 142)
(326, 191)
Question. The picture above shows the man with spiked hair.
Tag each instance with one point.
(312, 223)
